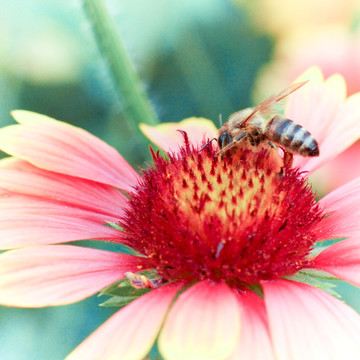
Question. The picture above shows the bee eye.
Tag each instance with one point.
(224, 139)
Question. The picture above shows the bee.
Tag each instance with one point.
(141, 281)
(261, 127)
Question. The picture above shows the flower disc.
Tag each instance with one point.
(201, 216)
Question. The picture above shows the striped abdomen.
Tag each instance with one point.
(293, 137)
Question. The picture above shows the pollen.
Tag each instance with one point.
(196, 215)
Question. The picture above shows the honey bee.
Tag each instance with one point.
(260, 127)
(141, 281)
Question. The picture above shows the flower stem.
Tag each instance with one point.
(138, 108)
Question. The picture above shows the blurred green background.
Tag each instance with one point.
(194, 58)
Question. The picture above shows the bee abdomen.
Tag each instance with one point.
(292, 136)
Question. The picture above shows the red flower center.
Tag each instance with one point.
(199, 216)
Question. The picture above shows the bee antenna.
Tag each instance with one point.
(207, 144)
(220, 120)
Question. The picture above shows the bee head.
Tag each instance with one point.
(224, 139)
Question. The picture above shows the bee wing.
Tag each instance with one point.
(273, 99)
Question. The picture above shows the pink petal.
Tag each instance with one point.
(63, 148)
(203, 323)
(315, 104)
(255, 342)
(21, 177)
(57, 275)
(306, 323)
(340, 170)
(345, 131)
(28, 221)
(343, 208)
(131, 332)
(341, 260)
(322, 109)
(168, 138)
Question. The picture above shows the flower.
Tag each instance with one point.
(226, 243)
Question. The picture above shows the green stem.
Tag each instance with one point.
(138, 108)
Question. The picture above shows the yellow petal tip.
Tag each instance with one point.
(313, 74)
(26, 116)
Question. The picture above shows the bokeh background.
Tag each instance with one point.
(194, 58)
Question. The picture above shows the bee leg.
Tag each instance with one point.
(253, 141)
(287, 162)
(280, 160)
(242, 135)
(272, 145)
(288, 159)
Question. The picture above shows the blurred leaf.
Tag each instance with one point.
(121, 301)
(316, 278)
(318, 274)
(122, 293)
(114, 225)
